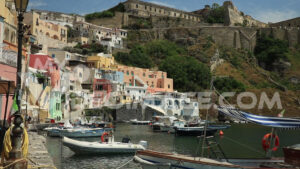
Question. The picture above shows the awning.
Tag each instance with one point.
(4, 85)
(276, 122)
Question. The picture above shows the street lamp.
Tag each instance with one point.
(17, 131)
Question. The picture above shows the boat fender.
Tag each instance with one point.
(103, 136)
(142, 161)
(266, 142)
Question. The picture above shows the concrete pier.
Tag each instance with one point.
(37, 150)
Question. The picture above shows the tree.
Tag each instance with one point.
(269, 50)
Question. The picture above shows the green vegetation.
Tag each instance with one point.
(268, 50)
(228, 84)
(86, 49)
(140, 24)
(107, 13)
(216, 14)
(188, 73)
(137, 57)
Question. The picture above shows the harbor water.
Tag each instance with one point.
(238, 141)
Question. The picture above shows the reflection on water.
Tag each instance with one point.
(239, 141)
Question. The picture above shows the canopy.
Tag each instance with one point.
(276, 122)
(5, 85)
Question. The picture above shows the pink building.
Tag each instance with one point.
(7, 73)
(156, 81)
(45, 62)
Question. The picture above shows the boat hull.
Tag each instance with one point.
(190, 131)
(292, 156)
(156, 160)
(84, 147)
(77, 133)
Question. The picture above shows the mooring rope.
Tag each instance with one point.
(121, 166)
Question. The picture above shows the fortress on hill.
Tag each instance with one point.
(238, 30)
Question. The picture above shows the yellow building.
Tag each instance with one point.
(44, 28)
(7, 11)
(102, 61)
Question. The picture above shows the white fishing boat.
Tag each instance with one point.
(110, 147)
(137, 122)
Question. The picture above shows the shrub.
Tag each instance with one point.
(269, 50)
(228, 84)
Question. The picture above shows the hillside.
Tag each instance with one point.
(238, 69)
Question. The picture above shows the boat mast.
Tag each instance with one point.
(206, 119)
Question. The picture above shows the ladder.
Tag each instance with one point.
(214, 147)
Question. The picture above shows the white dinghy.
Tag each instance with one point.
(110, 147)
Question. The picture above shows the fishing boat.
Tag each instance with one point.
(193, 131)
(199, 131)
(76, 132)
(160, 160)
(137, 122)
(163, 123)
(110, 147)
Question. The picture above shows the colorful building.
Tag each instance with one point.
(102, 89)
(45, 62)
(41, 27)
(156, 81)
(102, 61)
(55, 105)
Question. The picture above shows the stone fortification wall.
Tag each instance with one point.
(237, 37)
(120, 19)
(234, 17)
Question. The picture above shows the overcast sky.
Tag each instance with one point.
(263, 10)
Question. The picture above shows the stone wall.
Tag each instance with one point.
(171, 22)
(295, 22)
(120, 19)
(236, 37)
(234, 17)
(128, 112)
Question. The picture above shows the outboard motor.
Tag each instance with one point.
(144, 144)
(125, 140)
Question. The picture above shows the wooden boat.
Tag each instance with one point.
(137, 122)
(292, 155)
(111, 147)
(158, 160)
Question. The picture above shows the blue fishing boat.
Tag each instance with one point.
(76, 132)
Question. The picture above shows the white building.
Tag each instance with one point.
(172, 104)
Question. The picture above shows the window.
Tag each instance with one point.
(144, 74)
(155, 9)
(146, 7)
(57, 106)
(127, 72)
(174, 14)
(137, 5)
(71, 88)
(80, 74)
(128, 91)
(53, 55)
(169, 86)
(140, 91)
(159, 11)
(157, 102)
(132, 73)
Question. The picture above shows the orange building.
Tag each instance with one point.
(156, 81)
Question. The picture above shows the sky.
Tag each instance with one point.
(263, 10)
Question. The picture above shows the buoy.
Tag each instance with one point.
(221, 133)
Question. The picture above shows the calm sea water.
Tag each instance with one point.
(239, 141)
